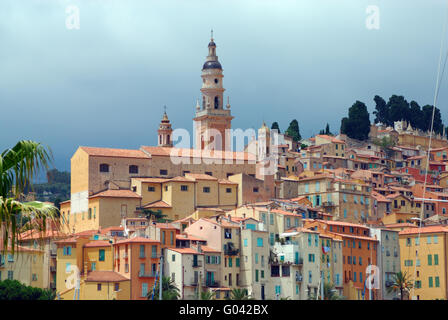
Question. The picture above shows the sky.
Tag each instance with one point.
(105, 84)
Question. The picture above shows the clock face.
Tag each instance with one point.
(216, 80)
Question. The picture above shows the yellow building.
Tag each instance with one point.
(423, 253)
(92, 260)
(25, 265)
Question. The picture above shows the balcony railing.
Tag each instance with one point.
(212, 284)
(142, 274)
(231, 252)
(298, 261)
(197, 264)
(299, 278)
(328, 204)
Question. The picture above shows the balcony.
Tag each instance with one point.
(298, 261)
(197, 264)
(212, 284)
(52, 285)
(194, 283)
(53, 252)
(142, 274)
(328, 204)
(52, 269)
(299, 278)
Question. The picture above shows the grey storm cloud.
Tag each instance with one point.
(106, 83)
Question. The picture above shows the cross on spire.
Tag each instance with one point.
(212, 34)
(164, 109)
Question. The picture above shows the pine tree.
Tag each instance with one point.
(275, 126)
(294, 131)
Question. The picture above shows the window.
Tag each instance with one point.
(437, 281)
(104, 167)
(435, 239)
(101, 255)
(429, 260)
(259, 242)
(430, 282)
(271, 219)
(436, 259)
(145, 289)
(183, 188)
(163, 172)
(67, 251)
(151, 189)
(98, 287)
(311, 257)
(228, 190)
(206, 189)
(209, 173)
(10, 275)
(90, 214)
(142, 251)
(117, 287)
(255, 189)
(133, 169)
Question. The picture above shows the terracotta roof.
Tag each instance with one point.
(379, 197)
(33, 235)
(200, 176)
(151, 180)
(286, 213)
(181, 179)
(188, 237)
(197, 153)
(165, 226)
(68, 240)
(225, 181)
(116, 194)
(400, 225)
(138, 240)
(106, 230)
(98, 243)
(185, 250)
(87, 233)
(210, 250)
(111, 152)
(429, 229)
(157, 204)
(105, 276)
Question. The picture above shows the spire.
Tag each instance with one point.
(198, 107)
(165, 116)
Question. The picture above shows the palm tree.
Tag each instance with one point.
(169, 290)
(329, 293)
(239, 294)
(18, 167)
(208, 295)
(400, 282)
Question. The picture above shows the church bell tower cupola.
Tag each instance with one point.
(212, 115)
(165, 132)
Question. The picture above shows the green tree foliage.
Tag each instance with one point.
(154, 215)
(357, 125)
(208, 295)
(329, 293)
(169, 290)
(18, 166)
(239, 294)
(397, 108)
(294, 131)
(381, 111)
(401, 283)
(14, 290)
(275, 126)
(56, 176)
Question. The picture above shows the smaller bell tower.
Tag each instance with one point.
(165, 131)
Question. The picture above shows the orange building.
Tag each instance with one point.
(359, 250)
(138, 259)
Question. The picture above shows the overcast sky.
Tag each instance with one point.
(105, 83)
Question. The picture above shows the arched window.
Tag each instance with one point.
(216, 102)
(203, 102)
(104, 167)
(168, 139)
(160, 139)
(133, 169)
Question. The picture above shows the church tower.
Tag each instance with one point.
(212, 120)
(264, 142)
(165, 132)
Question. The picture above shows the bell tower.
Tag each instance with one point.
(212, 120)
(165, 132)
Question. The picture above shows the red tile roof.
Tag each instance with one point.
(157, 204)
(210, 250)
(200, 176)
(138, 240)
(116, 194)
(98, 243)
(185, 250)
(105, 276)
(112, 152)
(197, 153)
(429, 229)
